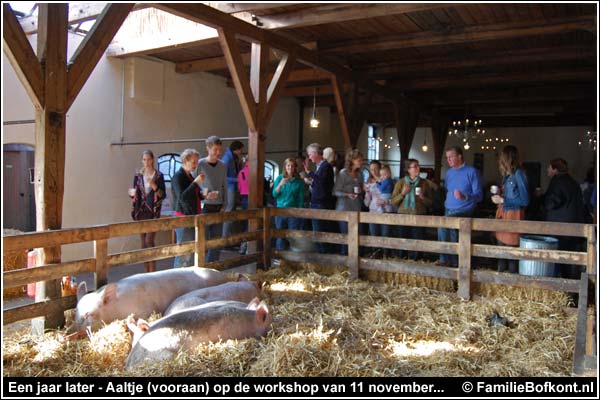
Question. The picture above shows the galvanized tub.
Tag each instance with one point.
(538, 268)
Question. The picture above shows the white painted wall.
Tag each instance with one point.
(97, 174)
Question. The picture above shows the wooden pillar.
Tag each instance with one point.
(464, 259)
(352, 110)
(406, 118)
(353, 244)
(258, 98)
(439, 126)
(50, 145)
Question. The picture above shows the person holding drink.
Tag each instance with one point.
(511, 202)
(412, 195)
(147, 194)
(288, 191)
(348, 188)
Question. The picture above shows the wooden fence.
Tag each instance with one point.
(465, 249)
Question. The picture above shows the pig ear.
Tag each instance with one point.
(242, 277)
(109, 294)
(81, 290)
(253, 305)
(143, 324)
(262, 312)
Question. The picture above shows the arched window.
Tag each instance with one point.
(168, 164)
(271, 171)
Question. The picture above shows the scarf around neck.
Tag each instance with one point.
(409, 199)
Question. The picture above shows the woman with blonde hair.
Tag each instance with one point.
(147, 194)
(288, 191)
(348, 187)
(511, 201)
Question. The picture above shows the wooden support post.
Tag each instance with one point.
(50, 145)
(591, 267)
(439, 124)
(353, 244)
(199, 256)
(266, 237)
(101, 255)
(406, 117)
(581, 334)
(464, 259)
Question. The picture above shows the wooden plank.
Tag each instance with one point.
(339, 13)
(151, 254)
(212, 63)
(317, 258)
(232, 8)
(467, 34)
(428, 221)
(464, 259)
(151, 225)
(428, 246)
(234, 239)
(266, 238)
(281, 76)
(338, 94)
(516, 253)
(19, 277)
(409, 268)
(39, 309)
(590, 341)
(21, 56)
(516, 280)
(353, 244)
(54, 238)
(326, 237)
(309, 213)
(234, 262)
(102, 265)
(200, 249)
(580, 336)
(532, 227)
(90, 50)
(591, 265)
(237, 70)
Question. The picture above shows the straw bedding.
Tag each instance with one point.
(326, 325)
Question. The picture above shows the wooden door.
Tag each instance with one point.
(19, 196)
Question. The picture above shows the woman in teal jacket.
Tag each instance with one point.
(288, 191)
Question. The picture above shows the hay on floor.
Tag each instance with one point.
(326, 325)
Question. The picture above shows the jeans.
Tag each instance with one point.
(212, 231)
(285, 223)
(411, 232)
(451, 235)
(230, 206)
(184, 235)
(320, 225)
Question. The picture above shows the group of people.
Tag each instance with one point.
(200, 186)
(210, 185)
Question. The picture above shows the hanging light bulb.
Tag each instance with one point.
(466, 146)
(314, 121)
(424, 147)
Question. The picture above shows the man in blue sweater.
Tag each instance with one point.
(463, 185)
(321, 189)
(231, 160)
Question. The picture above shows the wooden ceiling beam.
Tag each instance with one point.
(232, 8)
(22, 57)
(340, 12)
(93, 46)
(215, 18)
(514, 57)
(461, 35)
(482, 80)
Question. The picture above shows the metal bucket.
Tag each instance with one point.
(538, 268)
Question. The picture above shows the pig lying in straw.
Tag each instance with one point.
(185, 330)
(140, 294)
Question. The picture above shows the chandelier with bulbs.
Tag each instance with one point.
(589, 142)
(468, 129)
